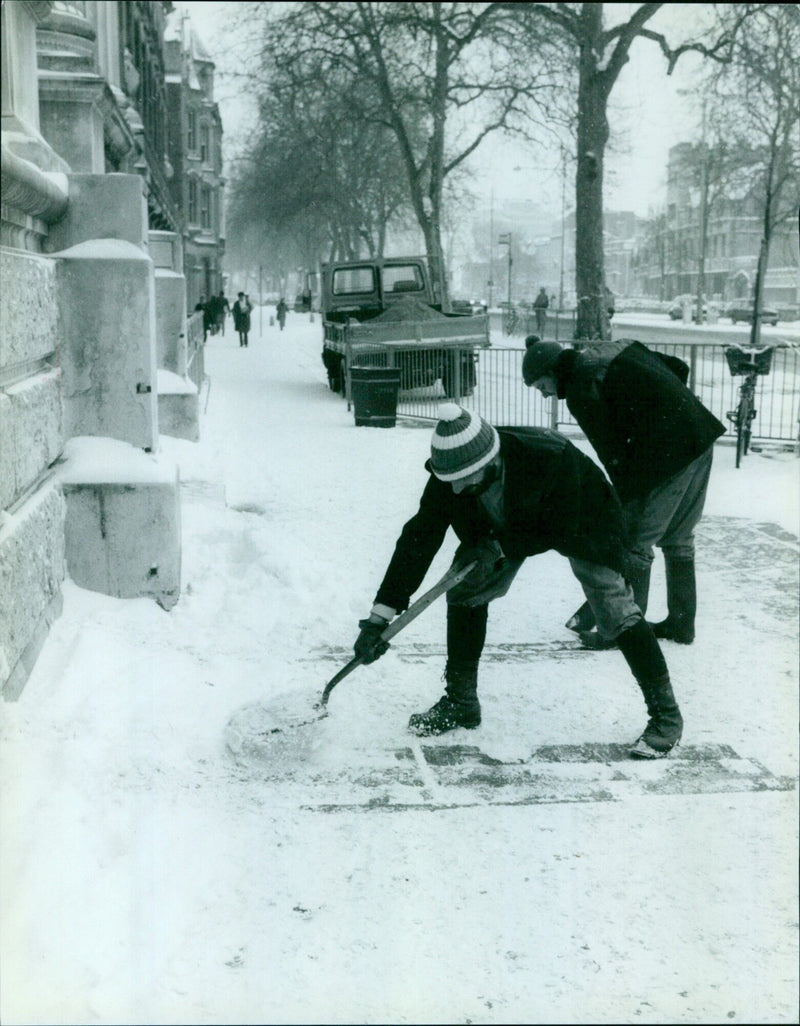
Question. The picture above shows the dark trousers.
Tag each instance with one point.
(466, 634)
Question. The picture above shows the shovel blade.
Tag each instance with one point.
(278, 734)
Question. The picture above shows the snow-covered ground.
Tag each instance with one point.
(148, 877)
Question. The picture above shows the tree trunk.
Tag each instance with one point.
(763, 252)
(592, 319)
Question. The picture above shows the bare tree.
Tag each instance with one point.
(444, 76)
(316, 175)
(759, 90)
(602, 54)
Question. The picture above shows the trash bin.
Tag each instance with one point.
(374, 391)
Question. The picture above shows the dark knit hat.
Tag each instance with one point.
(540, 359)
(462, 443)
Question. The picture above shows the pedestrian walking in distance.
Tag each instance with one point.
(280, 311)
(540, 305)
(223, 308)
(656, 440)
(241, 318)
(509, 493)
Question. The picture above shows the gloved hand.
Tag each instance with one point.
(369, 645)
(487, 556)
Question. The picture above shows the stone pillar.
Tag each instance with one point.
(102, 207)
(107, 307)
(123, 524)
(167, 256)
(178, 396)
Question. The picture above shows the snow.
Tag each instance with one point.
(169, 383)
(91, 460)
(149, 877)
(104, 249)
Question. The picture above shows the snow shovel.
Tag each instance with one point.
(450, 580)
(252, 733)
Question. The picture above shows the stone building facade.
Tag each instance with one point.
(195, 152)
(95, 353)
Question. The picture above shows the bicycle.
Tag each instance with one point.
(750, 363)
(511, 322)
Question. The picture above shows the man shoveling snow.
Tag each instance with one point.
(510, 493)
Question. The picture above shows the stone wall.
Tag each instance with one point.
(32, 508)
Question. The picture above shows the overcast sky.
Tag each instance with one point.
(648, 116)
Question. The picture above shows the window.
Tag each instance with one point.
(205, 143)
(353, 281)
(192, 211)
(402, 278)
(191, 131)
(205, 206)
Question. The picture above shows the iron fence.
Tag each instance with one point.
(195, 354)
(489, 381)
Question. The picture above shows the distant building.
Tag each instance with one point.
(195, 152)
(667, 259)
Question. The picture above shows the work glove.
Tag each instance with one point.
(487, 557)
(369, 644)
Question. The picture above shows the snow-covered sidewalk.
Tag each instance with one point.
(148, 877)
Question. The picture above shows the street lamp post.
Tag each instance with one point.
(505, 240)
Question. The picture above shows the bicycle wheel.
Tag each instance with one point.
(742, 428)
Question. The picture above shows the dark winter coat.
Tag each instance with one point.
(554, 498)
(541, 302)
(241, 315)
(642, 420)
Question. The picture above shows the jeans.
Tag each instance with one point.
(668, 515)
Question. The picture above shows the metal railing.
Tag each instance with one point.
(489, 381)
(195, 355)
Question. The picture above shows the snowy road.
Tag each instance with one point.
(523, 872)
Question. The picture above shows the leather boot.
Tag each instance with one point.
(681, 602)
(458, 707)
(664, 727)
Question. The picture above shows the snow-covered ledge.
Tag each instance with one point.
(178, 406)
(123, 532)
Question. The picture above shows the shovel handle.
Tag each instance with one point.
(450, 580)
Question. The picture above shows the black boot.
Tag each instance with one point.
(458, 707)
(582, 620)
(643, 655)
(665, 725)
(640, 582)
(681, 602)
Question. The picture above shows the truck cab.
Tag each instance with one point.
(385, 312)
(362, 289)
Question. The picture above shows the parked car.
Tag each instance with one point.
(676, 309)
(742, 310)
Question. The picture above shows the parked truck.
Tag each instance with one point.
(383, 313)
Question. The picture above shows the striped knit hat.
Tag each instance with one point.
(462, 443)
